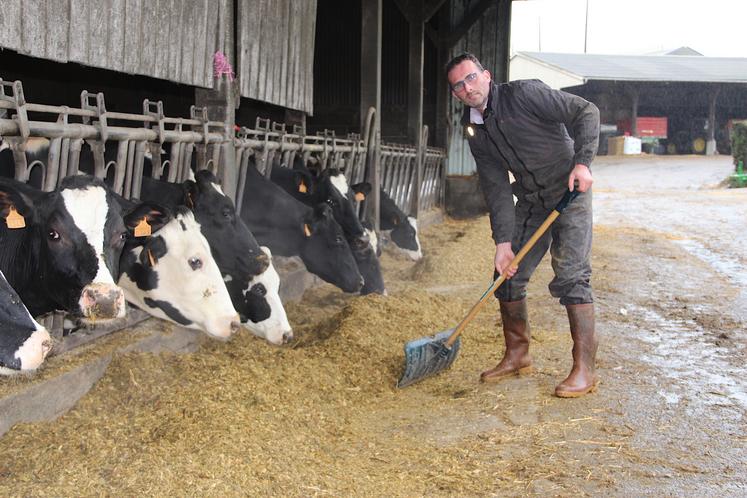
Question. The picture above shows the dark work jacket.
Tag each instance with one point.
(526, 132)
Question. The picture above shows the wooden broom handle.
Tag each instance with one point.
(569, 196)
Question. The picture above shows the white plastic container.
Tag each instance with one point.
(632, 145)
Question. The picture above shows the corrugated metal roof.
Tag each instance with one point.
(647, 67)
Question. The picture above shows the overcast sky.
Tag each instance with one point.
(715, 28)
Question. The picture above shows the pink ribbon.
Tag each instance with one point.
(221, 66)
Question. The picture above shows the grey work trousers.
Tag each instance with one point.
(569, 241)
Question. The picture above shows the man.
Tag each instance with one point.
(523, 127)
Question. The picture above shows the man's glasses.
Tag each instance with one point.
(459, 85)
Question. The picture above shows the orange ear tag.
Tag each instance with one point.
(302, 187)
(15, 219)
(306, 230)
(360, 196)
(143, 228)
(151, 258)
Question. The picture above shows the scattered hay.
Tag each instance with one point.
(322, 416)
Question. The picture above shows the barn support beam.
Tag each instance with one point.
(634, 97)
(371, 16)
(474, 15)
(711, 136)
(221, 103)
(504, 33)
(415, 93)
(442, 87)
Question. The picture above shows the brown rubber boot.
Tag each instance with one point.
(582, 378)
(516, 359)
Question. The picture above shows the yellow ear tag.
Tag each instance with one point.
(360, 196)
(15, 219)
(142, 229)
(302, 187)
(151, 258)
(306, 230)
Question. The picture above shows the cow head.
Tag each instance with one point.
(326, 253)
(265, 287)
(233, 246)
(69, 247)
(23, 342)
(170, 272)
(367, 259)
(405, 236)
(332, 188)
(403, 229)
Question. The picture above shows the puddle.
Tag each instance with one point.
(701, 369)
(733, 269)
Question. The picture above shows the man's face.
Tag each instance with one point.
(469, 84)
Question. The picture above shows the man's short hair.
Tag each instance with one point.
(466, 56)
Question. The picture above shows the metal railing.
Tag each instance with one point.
(399, 164)
(269, 143)
(122, 144)
(134, 143)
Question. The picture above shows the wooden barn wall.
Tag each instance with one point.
(483, 40)
(169, 39)
(337, 71)
(276, 51)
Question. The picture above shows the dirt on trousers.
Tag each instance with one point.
(322, 417)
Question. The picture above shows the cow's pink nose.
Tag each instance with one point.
(102, 301)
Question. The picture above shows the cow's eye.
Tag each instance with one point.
(53, 235)
(331, 202)
(195, 263)
(338, 240)
(259, 289)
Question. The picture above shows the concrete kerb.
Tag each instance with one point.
(51, 398)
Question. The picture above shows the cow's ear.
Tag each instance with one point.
(322, 211)
(147, 218)
(191, 193)
(318, 217)
(362, 190)
(205, 179)
(16, 209)
(153, 250)
(303, 181)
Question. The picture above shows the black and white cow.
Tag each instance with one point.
(65, 249)
(23, 342)
(266, 287)
(259, 305)
(291, 228)
(367, 259)
(233, 246)
(168, 271)
(330, 187)
(395, 224)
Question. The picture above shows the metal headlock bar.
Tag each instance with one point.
(152, 135)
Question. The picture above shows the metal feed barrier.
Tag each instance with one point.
(194, 140)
